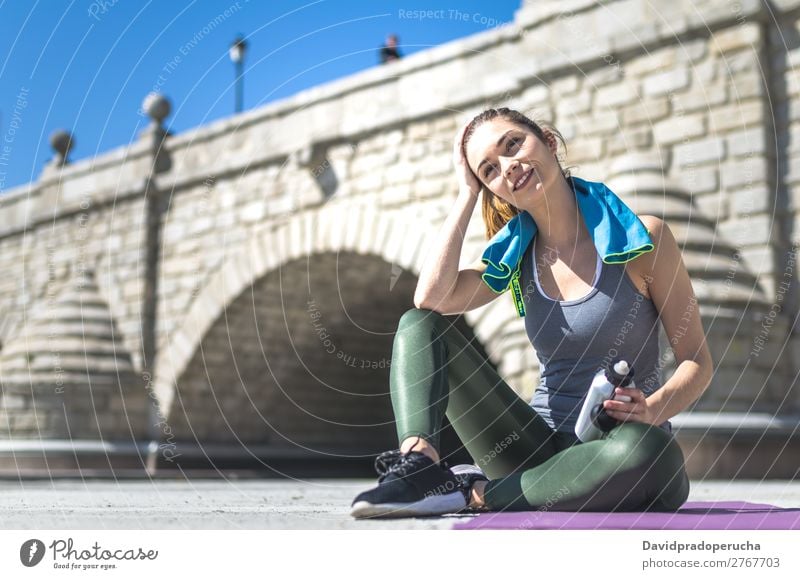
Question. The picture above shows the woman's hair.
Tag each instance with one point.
(496, 212)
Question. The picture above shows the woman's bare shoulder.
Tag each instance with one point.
(640, 269)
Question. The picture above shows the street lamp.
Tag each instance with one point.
(236, 53)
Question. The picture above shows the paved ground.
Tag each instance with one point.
(251, 504)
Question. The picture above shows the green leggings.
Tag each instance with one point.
(436, 372)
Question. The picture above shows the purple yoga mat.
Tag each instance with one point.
(691, 516)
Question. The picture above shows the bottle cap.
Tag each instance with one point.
(619, 373)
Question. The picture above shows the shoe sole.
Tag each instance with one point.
(434, 505)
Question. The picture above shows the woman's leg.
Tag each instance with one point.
(636, 467)
(436, 372)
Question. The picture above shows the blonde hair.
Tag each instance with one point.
(497, 212)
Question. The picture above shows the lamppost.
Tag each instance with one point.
(236, 53)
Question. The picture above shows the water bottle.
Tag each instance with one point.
(594, 421)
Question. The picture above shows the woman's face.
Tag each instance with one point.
(511, 161)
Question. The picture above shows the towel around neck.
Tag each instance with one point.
(617, 232)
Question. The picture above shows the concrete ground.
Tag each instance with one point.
(253, 503)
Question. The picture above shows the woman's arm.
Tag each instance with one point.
(439, 274)
(671, 290)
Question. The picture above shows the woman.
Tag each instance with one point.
(529, 454)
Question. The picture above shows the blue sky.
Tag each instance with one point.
(86, 65)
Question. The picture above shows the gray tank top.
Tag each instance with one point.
(573, 339)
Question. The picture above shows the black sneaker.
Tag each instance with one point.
(467, 475)
(410, 485)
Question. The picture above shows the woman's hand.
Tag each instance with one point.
(466, 178)
(637, 410)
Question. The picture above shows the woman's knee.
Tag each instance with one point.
(418, 319)
(656, 458)
(645, 444)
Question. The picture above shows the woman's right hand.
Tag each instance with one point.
(466, 178)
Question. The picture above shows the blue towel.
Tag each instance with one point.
(617, 232)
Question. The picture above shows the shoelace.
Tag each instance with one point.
(386, 460)
(395, 462)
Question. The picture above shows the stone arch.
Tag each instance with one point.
(396, 238)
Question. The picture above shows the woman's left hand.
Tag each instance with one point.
(637, 410)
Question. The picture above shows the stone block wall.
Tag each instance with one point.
(705, 92)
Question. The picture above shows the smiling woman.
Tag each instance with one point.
(577, 305)
(498, 209)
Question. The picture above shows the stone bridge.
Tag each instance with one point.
(231, 293)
